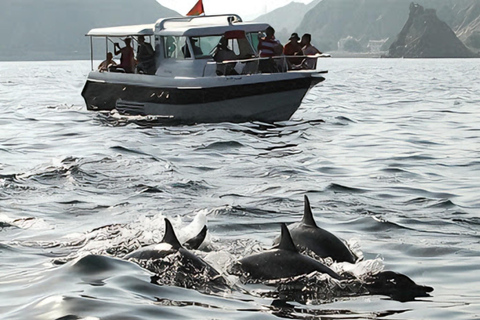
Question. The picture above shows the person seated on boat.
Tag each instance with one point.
(106, 64)
(127, 59)
(224, 53)
(269, 47)
(309, 50)
(197, 51)
(293, 48)
(145, 57)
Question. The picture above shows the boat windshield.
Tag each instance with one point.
(177, 47)
(254, 38)
(205, 47)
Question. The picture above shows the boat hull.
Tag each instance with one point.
(266, 98)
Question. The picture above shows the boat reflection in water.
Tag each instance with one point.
(187, 85)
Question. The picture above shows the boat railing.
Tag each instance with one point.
(276, 64)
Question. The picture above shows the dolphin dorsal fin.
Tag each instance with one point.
(195, 242)
(308, 215)
(286, 242)
(170, 236)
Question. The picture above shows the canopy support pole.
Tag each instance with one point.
(91, 52)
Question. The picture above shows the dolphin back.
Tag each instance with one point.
(307, 236)
(282, 261)
(323, 243)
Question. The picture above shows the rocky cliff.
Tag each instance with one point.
(463, 16)
(55, 29)
(426, 36)
(331, 21)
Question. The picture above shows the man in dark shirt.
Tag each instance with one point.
(145, 57)
(293, 48)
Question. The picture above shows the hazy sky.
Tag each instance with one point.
(247, 9)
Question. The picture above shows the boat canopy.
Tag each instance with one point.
(182, 26)
(189, 31)
(205, 25)
(123, 31)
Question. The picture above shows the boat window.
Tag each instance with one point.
(204, 47)
(241, 47)
(175, 47)
(253, 37)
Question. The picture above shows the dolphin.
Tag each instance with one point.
(282, 261)
(308, 236)
(395, 285)
(169, 256)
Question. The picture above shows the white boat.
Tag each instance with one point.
(194, 88)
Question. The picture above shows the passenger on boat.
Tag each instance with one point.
(309, 50)
(224, 53)
(269, 47)
(127, 59)
(197, 51)
(145, 57)
(293, 48)
(107, 63)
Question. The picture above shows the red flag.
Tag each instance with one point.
(197, 9)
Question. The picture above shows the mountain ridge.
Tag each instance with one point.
(364, 20)
(43, 30)
(286, 19)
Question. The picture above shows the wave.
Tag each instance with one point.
(431, 202)
(191, 185)
(142, 188)
(344, 189)
(222, 145)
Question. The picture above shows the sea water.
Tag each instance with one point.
(387, 150)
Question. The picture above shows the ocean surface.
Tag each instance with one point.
(388, 152)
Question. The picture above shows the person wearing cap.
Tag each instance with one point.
(127, 59)
(293, 48)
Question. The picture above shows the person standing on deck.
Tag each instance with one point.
(127, 59)
(269, 47)
(145, 57)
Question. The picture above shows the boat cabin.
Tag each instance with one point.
(190, 46)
